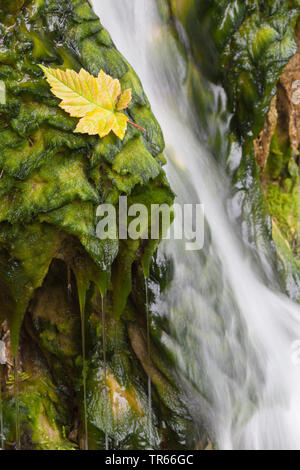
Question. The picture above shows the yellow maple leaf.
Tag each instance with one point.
(96, 100)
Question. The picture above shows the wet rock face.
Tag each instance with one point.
(251, 49)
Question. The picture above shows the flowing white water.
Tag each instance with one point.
(232, 335)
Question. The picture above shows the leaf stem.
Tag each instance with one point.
(135, 125)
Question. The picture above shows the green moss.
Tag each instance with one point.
(244, 45)
(125, 406)
(131, 80)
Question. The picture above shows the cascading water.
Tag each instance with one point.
(105, 364)
(232, 334)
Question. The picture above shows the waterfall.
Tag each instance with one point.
(82, 289)
(233, 335)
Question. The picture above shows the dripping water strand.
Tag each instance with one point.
(17, 403)
(149, 359)
(84, 379)
(105, 371)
